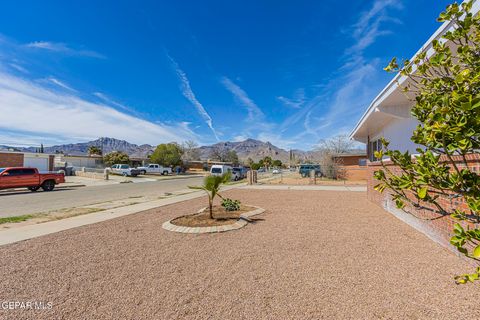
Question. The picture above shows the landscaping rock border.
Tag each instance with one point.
(240, 223)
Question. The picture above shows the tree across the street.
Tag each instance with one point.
(167, 154)
(116, 157)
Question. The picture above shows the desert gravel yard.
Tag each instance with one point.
(316, 255)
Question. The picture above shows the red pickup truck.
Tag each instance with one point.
(19, 177)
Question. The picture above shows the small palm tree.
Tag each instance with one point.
(211, 185)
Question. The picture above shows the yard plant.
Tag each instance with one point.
(116, 157)
(445, 88)
(230, 204)
(211, 185)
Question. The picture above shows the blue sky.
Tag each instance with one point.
(288, 72)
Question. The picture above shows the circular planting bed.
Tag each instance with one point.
(201, 222)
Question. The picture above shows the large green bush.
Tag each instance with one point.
(167, 154)
(445, 89)
(116, 157)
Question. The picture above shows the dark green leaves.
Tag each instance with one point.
(446, 102)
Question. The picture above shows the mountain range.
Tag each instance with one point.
(250, 148)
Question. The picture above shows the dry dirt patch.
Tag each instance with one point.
(49, 216)
(202, 219)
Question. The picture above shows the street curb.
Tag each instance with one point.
(172, 178)
(72, 186)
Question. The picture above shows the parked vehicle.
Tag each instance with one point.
(219, 170)
(124, 170)
(276, 171)
(21, 177)
(239, 173)
(305, 169)
(155, 168)
(261, 170)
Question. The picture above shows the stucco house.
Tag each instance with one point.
(389, 116)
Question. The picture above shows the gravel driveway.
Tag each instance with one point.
(316, 255)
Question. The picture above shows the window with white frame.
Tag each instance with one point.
(375, 145)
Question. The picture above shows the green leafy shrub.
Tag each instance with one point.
(445, 89)
(116, 157)
(230, 204)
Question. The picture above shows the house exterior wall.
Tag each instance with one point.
(17, 159)
(349, 160)
(10, 159)
(87, 162)
(355, 173)
(440, 229)
(41, 161)
(351, 170)
(399, 133)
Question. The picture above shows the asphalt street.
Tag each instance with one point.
(26, 202)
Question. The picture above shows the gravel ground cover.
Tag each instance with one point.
(296, 179)
(316, 255)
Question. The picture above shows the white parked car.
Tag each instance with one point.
(276, 171)
(124, 170)
(155, 168)
(220, 170)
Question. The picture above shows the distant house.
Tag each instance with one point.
(140, 158)
(203, 165)
(87, 161)
(351, 159)
(353, 166)
(41, 161)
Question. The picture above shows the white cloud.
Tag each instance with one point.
(35, 111)
(60, 84)
(18, 67)
(254, 112)
(240, 138)
(296, 102)
(367, 29)
(63, 48)
(342, 100)
(111, 102)
(188, 93)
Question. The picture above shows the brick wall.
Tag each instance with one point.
(355, 173)
(440, 230)
(8, 159)
(349, 160)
